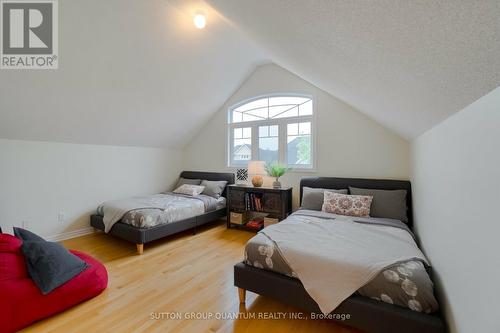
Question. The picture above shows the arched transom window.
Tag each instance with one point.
(272, 129)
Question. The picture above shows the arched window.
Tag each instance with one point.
(275, 128)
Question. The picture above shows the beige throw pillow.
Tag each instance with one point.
(188, 189)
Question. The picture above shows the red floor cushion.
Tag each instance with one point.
(12, 265)
(22, 303)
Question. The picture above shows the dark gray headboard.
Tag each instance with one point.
(378, 184)
(229, 177)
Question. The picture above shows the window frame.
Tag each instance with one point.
(282, 134)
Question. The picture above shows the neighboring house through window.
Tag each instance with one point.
(275, 128)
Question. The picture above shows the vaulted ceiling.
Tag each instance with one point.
(407, 64)
(139, 73)
(130, 73)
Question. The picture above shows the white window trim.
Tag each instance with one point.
(282, 124)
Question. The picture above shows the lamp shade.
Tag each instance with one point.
(256, 168)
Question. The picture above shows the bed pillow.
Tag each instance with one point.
(188, 181)
(312, 198)
(386, 203)
(213, 188)
(350, 205)
(188, 189)
(49, 264)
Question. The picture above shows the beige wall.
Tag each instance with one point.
(456, 192)
(40, 180)
(349, 144)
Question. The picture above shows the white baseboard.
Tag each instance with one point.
(70, 234)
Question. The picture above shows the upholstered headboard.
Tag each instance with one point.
(344, 183)
(214, 176)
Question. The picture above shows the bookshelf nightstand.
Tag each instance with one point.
(245, 202)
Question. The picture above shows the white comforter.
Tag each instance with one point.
(333, 256)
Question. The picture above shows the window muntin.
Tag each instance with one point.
(272, 108)
(272, 128)
(242, 144)
(269, 143)
(299, 144)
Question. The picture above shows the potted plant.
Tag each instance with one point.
(276, 170)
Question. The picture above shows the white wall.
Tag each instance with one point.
(348, 142)
(40, 180)
(456, 191)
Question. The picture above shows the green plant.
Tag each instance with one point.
(276, 170)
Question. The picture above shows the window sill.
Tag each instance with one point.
(303, 170)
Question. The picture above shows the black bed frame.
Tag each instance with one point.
(364, 313)
(141, 236)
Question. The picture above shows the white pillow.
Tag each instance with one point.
(189, 189)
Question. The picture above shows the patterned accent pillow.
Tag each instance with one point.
(350, 205)
(189, 189)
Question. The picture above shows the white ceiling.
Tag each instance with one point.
(138, 72)
(407, 64)
(130, 73)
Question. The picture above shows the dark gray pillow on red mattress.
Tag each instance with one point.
(49, 264)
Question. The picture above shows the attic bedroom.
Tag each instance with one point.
(249, 166)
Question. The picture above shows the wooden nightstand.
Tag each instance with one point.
(245, 202)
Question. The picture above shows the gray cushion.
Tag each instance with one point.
(188, 181)
(312, 198)
(26, 235)
(49, 264)
(386, 203)
(213, 188)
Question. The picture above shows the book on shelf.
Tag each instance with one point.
(253, 201)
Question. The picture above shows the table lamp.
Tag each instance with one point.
(256, 169)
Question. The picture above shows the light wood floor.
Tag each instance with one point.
(181, 274)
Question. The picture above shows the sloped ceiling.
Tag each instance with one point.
(407, 64)
(138, 72)
(131, 73)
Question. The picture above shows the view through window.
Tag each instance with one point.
(272, 129)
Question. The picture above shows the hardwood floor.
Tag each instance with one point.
(183, 275)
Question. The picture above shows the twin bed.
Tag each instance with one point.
(145, 219)
(367, 272)
(314, 259)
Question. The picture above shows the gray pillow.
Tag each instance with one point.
(188, 181)
(312, 198)
(49, 264)
(390, 204)
(213, 188)
(26, 235)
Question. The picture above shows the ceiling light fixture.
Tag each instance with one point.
(200, 21)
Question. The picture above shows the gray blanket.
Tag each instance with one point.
(405, 284)
(333, 256)
(173, 207)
